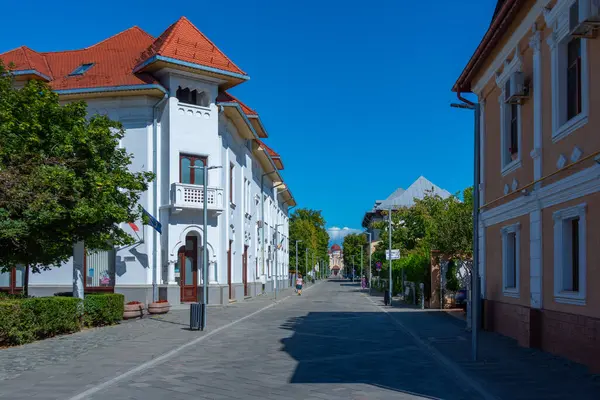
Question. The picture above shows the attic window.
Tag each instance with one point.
(81, 69)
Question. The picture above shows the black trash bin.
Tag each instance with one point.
(196, 313)
(386, 297)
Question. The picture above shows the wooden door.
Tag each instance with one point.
(231, 296)
(188, 267)
(245, 270)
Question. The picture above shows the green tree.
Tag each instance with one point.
(352, 245)
(63, 178)
(309, 226)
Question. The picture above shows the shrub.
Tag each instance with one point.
(103, 309)
(25, 320)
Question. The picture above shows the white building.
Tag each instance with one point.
(170, 94)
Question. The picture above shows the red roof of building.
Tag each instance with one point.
(225, 97)
(183, 41)
(274, 155)
(336, 247)
(114, 59)
(24, 59)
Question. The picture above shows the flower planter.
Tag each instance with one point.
(135, 310)
(159, 307)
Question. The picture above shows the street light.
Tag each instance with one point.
(204, 241)
(297, 241)
(276, 258)
(466, 104)
(370, 267)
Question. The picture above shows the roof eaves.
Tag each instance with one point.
(30, 72)
(201, 67)
(259, 121)
(492, 35)
(112, 89)
(242, 113)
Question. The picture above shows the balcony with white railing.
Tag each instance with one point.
(187, 196)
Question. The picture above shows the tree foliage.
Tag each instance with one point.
(432, 223)
(63, 178)
(308, 226)
(352, 245)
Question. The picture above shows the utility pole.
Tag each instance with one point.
(296, 274)
(390, 250)
(306, 264)
(361, 264)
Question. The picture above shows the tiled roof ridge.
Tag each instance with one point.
(183, 18)
(100, 42)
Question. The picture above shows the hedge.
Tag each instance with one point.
(103, 309)
(28, 319)
(25, 320)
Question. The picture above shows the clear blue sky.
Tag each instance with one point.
(355, 95)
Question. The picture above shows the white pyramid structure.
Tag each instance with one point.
(417, 190)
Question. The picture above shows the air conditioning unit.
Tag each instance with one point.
(584, 18)
(515, 89)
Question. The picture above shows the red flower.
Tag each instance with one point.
(161, 301)
(134, 302)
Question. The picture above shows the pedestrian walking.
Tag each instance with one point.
(363, 283)
(299, 283)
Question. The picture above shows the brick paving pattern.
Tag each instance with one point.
(334, 342)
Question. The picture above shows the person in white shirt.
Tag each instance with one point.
(299, 284)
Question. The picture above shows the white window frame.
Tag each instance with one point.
(560, 217)
(558, 41)
(506, 231)
(515, 65)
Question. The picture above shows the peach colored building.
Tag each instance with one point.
(536, 74)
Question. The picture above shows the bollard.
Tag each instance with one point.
(197, 310)
(422, 287)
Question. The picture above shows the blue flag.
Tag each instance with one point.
(153, 222)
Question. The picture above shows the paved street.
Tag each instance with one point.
(331, 343)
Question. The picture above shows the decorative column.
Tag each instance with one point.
(536, 153)
(171, 272)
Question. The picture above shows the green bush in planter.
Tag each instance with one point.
(25, 320)
(103, 309)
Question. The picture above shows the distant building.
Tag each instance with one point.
(399, 199)
(336, 259)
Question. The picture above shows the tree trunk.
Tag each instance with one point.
(26, 282)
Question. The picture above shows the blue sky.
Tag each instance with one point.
(355, 95)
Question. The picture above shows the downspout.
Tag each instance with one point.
(262, 230)
(155, 194)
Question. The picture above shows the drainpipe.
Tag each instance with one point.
(155, 194)
(262, 206)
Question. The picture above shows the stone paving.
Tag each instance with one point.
(333, 342)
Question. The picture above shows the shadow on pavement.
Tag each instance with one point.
(364, 347)
(369, 348)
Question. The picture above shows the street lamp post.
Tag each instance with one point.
(353, 268)
(361, 264)
(296, 274)
(475, 289)
(390, 250)
(276, 272)
(306, 264)
(205, 169)
(370, 267)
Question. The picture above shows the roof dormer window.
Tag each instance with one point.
(81, 69)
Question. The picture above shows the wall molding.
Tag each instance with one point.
(572, 187)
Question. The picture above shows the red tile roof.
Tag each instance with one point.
(274, 155)
(115, 58)
(225, 97)
(24, 59)
(184, 42)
